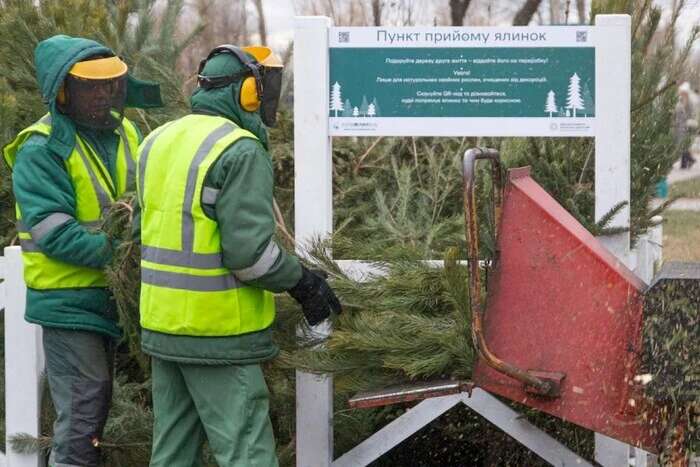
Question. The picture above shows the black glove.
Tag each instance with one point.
(315, 296)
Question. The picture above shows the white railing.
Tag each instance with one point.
(647, 256)
(644, 260)
(24, 365)
(24, 362)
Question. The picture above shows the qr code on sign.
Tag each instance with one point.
(344, 36)
(581, 36)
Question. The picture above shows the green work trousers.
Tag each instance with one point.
(80, 367)
(225, 404)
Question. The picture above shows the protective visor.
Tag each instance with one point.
(271, 74)
(95, 93)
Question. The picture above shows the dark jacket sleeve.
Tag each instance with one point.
(243, 209)
(43, 188)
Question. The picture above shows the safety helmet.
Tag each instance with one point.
(94, 92)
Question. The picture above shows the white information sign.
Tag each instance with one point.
(481, 81)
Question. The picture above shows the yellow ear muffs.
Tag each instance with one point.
(249, 99)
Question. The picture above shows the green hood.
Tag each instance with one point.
(221, 101)
(53, 58)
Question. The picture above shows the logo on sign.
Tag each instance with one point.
(581, 36)
(344, 36)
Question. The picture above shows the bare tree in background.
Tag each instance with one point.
(377, 12)
(262, 29)
(352, 13)
(370, 12)
(226, 23)
(407, 7)
(526, 12)
(458, 8)
(243, 23)
(555, 12)
(581, 7)
(427, 12)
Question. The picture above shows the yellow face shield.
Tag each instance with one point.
(270, 81)
(264, 55)
(101, 68)
(94, 93)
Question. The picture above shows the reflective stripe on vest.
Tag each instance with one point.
(209, 195)
(94, 194)
(28, 237)
(262, 265)
(102, 197)
(186, 289)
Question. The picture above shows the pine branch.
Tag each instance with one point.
(25, 443)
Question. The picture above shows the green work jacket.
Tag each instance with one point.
(64, 199)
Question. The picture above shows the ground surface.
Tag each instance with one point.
(682, 226)
(686, 189)
(682, 236)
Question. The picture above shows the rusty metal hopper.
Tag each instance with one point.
(561, 324)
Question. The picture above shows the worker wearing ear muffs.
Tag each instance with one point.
(68, 167)
(210, 265)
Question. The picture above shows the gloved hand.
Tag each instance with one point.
(315, 296)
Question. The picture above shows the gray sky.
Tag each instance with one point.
(280, 21)
(690, 16)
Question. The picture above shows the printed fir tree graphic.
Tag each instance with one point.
(377, 112)
(336, 99)
(588, 104)
(551, 105)
(371, 110)
(364, 106)
(347, 108)
(574, 100)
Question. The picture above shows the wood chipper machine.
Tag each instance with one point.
(558, 325)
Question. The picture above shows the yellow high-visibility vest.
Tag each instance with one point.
(94, 192)
(185, 288)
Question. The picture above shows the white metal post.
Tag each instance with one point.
(612, 110)
(649, 251)
(24, 363)
(313, 217)
(612, 161)
(656, 241)
(610, 452)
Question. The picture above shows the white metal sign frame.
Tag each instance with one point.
(313, 179)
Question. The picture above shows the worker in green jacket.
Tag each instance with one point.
(67, 169)
(210, 265)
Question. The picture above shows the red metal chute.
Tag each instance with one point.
(567, 313)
